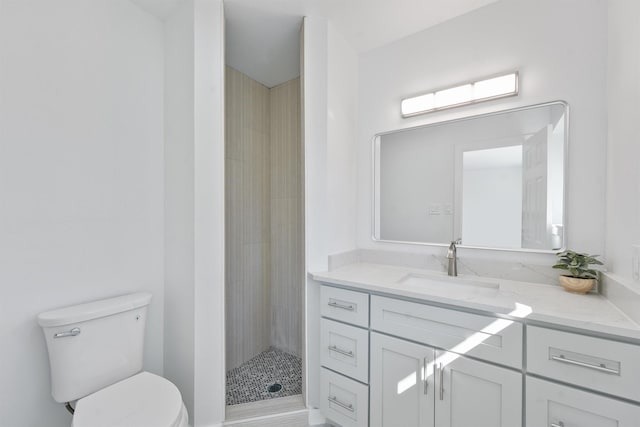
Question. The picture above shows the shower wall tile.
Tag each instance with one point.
(234, 326)
(286, 141)
(247, 218)
(264, 218)
(287, 241)
(255, 304)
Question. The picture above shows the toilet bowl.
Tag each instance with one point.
(143, 400)
(95, 357)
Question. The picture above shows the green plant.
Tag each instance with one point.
(577, 264)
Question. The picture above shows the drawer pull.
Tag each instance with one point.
(559, 424)
(342, 306)
(426, 384)
(441, 382)
(600, 368)
(341, 351)
(348, 407)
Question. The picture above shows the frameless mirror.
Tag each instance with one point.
(494, 180)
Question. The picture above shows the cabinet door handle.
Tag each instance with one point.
(341, 306)
(341, 351)
(348, 407)
(426, 384)
(601, 368)
(559, 424)
(441, 382)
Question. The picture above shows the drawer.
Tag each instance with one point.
(343, 400)
(345, 349)
(346, 306)
(484, 337)
(553, 405)
(596, 363)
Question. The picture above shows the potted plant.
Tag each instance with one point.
(581, 279)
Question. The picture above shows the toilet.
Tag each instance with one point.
(95, 356)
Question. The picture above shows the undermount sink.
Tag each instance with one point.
(447, 284)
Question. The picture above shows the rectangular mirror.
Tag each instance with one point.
(494, 180)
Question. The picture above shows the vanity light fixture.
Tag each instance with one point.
(465, 94)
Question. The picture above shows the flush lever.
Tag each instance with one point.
(72, 333)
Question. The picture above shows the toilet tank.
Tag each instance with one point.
(95, 344)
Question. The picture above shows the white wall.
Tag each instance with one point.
(329, 81)
(209, 212)
(194, 226)
(314, 107)
(506, 35)
(179, 201)
(81, 166)
(330, 114)
(342, 116)
(623, 154)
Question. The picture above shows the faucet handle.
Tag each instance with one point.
(457, 241)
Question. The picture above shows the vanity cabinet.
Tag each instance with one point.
(596, 363)
(474, 393)
(344, 401)
(554, 405)
(480, 336)
(401, 394)
(602, 365)
(345, 306)
(388, 362)
(344, 347)
(417, 385)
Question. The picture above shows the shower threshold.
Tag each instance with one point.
(268, 407)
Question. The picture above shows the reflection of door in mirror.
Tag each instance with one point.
(536, 221)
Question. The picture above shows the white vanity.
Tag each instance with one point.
(407, 347)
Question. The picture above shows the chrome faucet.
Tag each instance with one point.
(452, 269)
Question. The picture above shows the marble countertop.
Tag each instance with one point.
(547, 303)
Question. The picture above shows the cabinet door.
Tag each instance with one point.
(554, 405)
(472, 393)
(401, 393)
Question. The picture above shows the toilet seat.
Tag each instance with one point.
(143, 400)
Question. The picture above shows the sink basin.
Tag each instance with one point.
(446, 284)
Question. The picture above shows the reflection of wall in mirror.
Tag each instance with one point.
(412, 208)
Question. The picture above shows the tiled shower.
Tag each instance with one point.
(264, 239)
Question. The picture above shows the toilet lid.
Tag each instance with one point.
(144, 400)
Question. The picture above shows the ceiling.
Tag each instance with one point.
(262, 35)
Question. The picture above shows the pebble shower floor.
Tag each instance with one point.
(250, 381)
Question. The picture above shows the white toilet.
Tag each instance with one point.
(95, 355)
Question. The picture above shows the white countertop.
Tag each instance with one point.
(549, 304)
